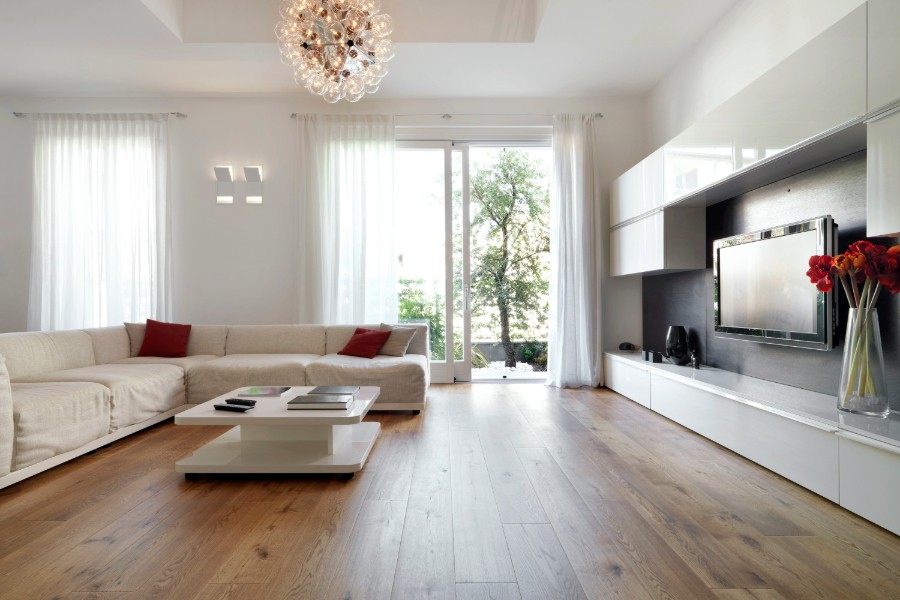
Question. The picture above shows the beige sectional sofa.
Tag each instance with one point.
(65, 393)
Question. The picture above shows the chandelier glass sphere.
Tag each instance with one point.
(337, 48)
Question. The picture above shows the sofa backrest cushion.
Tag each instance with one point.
(204, 339)
(7, 431)
(32, 353)
(339, 335)
(276, 339)
(110, 344)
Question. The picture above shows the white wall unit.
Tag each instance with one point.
(639, 190)
(753, 37)
(800, 434)
(884, 53)
(803, 112)
(630, 380)
(802, 452)
(820, 86)
(637, 247)
(673, 239)
(870, 479)
(626, 199)
(819, 89)
(883, 176)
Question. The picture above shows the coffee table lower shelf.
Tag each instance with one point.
(232, 452)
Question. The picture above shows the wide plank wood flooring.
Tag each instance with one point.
(495, 492)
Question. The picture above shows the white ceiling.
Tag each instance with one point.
(445, 48)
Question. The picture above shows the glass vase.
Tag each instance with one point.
(862, 389)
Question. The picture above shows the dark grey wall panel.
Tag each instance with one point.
(837, 188)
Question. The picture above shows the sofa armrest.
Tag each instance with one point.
(7, 429)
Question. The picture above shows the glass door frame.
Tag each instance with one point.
(450, 370)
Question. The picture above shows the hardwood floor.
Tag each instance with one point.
(494, 492)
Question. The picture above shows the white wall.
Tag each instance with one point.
(748, 41)
(15, 218)
(237, 263)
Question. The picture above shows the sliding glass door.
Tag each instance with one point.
(474, 256)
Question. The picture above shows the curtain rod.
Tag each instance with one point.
(450, 116)
(178, 115)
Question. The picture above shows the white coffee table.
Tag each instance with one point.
(272, 439)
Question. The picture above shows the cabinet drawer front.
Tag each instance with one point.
(807, 455)
(870, 482)
(630, 381)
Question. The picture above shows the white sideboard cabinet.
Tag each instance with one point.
(849, 459)
(632, 380)
(870, 479)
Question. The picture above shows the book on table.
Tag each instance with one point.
(273, 391)
(321, 402)
(331, 390)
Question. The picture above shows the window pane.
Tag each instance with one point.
(419, 189)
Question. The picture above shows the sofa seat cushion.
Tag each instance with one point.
(401, 378)
(139, 392)
(222, 375)
(52, 418)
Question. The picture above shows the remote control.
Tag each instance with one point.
(241, 402)
(232, 407)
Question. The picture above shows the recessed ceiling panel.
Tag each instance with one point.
(423, 21)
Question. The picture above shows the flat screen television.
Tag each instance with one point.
(762, 293)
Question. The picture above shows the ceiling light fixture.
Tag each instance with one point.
(337, 48)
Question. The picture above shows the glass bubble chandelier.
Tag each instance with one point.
(337, 48)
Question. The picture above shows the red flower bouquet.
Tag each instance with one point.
(863, 264)
(863, 270)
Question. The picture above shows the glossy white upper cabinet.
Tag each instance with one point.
(627, 195)
(883, 176)
(670, 240)
(821, 86)
(638, 190)
(637, 247)
(884, 53)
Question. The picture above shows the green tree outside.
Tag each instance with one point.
(418, 305)
(510, 246)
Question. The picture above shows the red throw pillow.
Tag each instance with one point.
(365, 343)
(168, 340)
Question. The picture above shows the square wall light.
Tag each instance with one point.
(224, 185)
(254, 178)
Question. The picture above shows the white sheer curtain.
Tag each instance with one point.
(100, 249)
(348, 263)
(576, 254)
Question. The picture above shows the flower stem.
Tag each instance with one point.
(850, 300)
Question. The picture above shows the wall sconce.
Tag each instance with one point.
(254, 177)
(224, 185)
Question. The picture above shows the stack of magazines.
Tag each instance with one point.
(325, 397)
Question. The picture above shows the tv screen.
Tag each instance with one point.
(761, 289)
